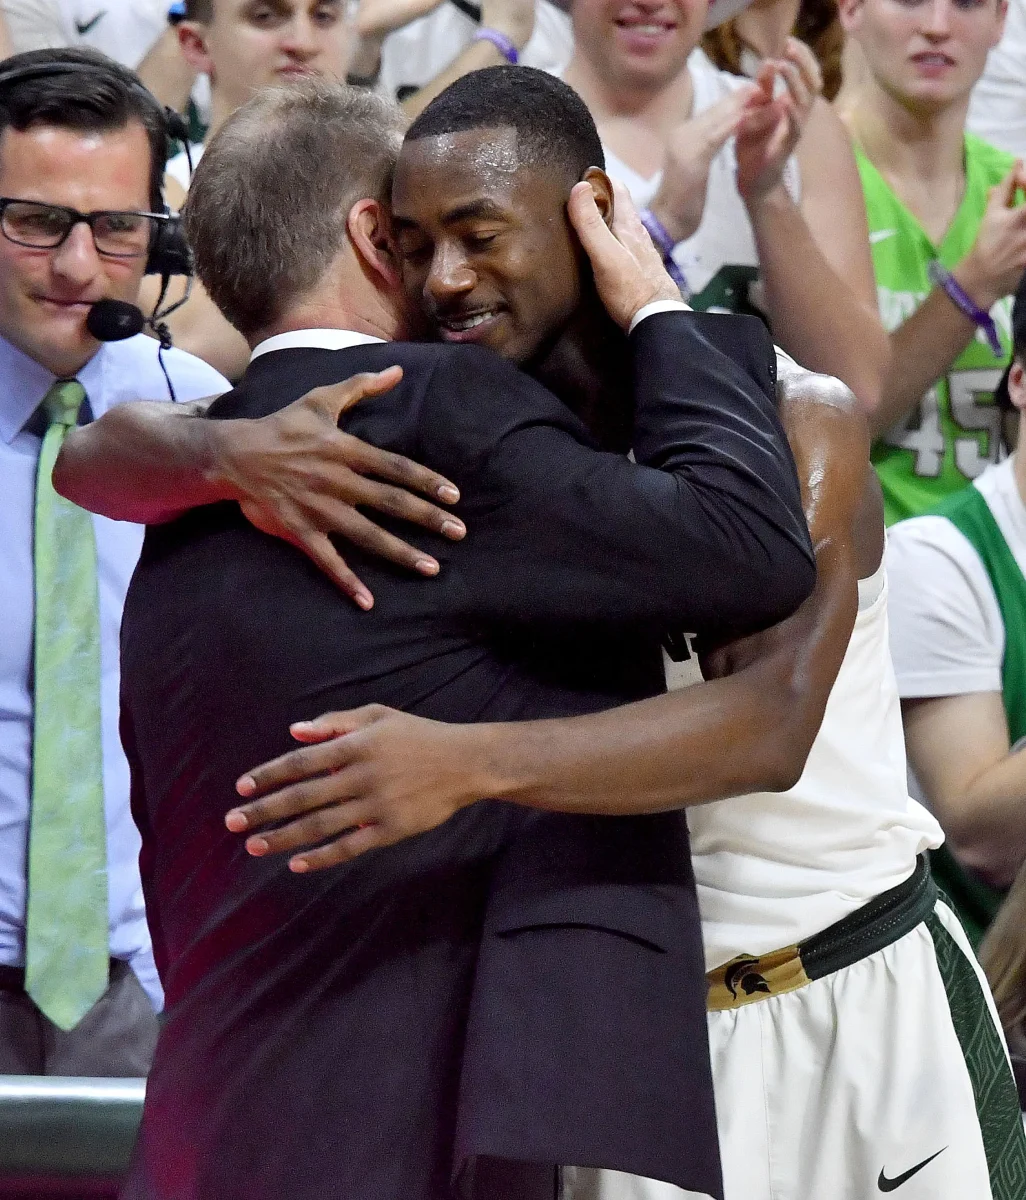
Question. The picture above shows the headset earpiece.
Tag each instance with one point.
(169, 253)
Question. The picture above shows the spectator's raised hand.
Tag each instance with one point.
(628, 269)
(995, 264)
(297, 476)
(690, 150)
(376, 19)
(773, 121)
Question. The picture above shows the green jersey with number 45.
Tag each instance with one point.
(952, 435)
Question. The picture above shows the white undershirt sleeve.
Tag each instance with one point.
(947, 636)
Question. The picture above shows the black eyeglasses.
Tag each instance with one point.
(46, 226)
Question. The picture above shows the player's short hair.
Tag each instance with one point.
(199, 10)
(266, 211)
(553, 125)
(102, 98)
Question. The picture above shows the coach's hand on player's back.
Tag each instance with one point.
(628, 269)
(296, 475)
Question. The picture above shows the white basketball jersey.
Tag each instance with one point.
(774, 868)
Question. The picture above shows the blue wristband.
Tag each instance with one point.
(501, 42)
(942, 278)
(664, 243)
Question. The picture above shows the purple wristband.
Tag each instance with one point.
(501, 42)
(664, 243)
(961, 299)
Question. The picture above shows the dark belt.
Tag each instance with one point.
(12, 979)
(749, 978)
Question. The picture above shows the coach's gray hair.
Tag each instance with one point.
(266, 212)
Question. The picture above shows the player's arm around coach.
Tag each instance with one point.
(375, 776)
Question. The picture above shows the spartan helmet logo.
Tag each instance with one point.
(741, 974)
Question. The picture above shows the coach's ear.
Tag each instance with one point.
(602, 190)
(370, 230)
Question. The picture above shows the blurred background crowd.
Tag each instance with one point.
(884, 242)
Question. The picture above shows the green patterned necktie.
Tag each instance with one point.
(66, 924)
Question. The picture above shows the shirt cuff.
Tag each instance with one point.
(657, 306)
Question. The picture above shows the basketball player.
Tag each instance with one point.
(855, 1048)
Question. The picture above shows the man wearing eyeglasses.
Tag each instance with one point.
(81, 159)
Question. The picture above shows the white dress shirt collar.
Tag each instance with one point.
(313, 339)
(26, 382)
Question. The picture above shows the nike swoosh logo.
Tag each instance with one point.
(83, 27)
(880, 235)
(889, 1185)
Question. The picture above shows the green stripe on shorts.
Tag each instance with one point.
(997, 1102)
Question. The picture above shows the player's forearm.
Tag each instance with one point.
(144, 462)
(666, 753)
(922, 350)
(814, 314)
(987, 827)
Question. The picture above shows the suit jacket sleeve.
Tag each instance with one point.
(704, 532)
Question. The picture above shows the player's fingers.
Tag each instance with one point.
(365, 459)
(306, 831)
(321, 550)
(335, 724)
(343, 849)
(291, 804)
(378, 542)
(405, 506)
(266, 781)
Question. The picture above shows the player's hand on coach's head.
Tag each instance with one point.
(298, 476)
(628, 269)
(369, 778)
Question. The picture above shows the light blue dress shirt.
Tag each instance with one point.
(119, 372)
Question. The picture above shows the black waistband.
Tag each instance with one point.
(876, 925)
(12, 979)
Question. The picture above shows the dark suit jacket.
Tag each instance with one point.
(534, 979)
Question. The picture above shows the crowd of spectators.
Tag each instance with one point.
(853, 173)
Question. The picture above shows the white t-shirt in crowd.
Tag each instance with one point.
(719, 260)
(122, 29)
(997, 112)
(947, 634)
(414, 55)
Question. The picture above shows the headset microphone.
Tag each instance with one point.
(114, 320)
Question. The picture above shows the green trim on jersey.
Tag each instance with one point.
(954, 433)
(970, 513)
(975, 901)
(997, 1103)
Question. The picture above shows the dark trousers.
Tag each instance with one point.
(115, 1038)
